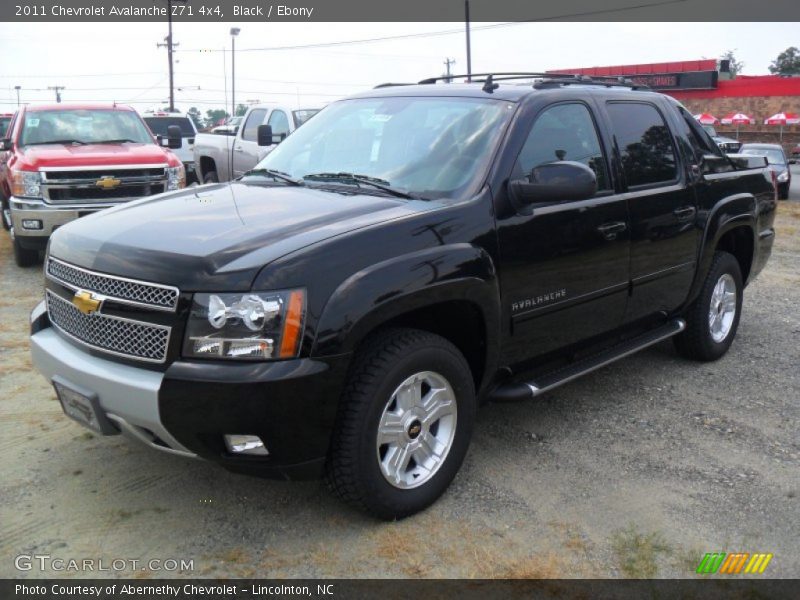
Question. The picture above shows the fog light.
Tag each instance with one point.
(245, 444)
(31, 224)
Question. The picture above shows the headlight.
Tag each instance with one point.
(26, 184)
(784, 176)
(176, 178)
(250, 326)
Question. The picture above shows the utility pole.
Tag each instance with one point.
(18, 88)
(234, 32)
(469, 51)
(447, 62)
(57, 89)
(168, 43)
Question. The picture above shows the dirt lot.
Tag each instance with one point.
(635, 470)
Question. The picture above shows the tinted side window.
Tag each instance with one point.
(564, 132)
(645, 143)
(256, 118)
(279, 122)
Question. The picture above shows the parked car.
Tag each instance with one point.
(409, 253)
(222, 157)
(229, 127)
(64, 161)
(728, 145)
(5, 121)
(777, 162)
(159, 123)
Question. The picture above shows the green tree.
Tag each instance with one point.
(240, 110)
(736, 66)
(215, 114)
(196, 116)
(787, 63)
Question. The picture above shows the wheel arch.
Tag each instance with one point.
(451, 291)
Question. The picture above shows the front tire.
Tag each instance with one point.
(783, 191)
(24, 257)
(404, 423)
(713, 318)
(211, 177)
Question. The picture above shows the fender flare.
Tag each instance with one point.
(391, 288)
(732, 212)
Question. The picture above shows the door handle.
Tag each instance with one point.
(685, 213)
(239, 149)
(610, 230)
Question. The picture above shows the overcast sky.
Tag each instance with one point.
(116, 61)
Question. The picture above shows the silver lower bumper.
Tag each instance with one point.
(127, 395)
(49, 215)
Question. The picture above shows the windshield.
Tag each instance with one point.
(158, 125)
(4, 122)
(774, 157)
(83, 127)
(301, 116)
(431, 147)
(710, 130)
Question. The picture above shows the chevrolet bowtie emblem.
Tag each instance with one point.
(86, 302)
(107, 182)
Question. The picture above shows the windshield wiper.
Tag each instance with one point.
(275, 175)
(375, 182)
(119, 141)
(79, 142)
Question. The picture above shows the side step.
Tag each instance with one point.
(513, 392)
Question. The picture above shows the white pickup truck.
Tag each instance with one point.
(221, 157)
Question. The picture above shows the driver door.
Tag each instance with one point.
(564, 264)
(245, 146)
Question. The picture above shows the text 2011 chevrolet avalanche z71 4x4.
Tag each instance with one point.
(344, 307)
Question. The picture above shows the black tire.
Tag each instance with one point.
(211, 177)
(697, 342)
(5, 215)
(24, 257)
(383, 362)
(783, 191)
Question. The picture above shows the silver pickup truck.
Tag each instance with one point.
(221, 157)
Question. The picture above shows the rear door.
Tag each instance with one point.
(245, 146)
(662, 205)
(564, 264)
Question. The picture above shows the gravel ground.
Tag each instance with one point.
(635, 470)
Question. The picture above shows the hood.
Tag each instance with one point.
(89, 155)
(217, 237)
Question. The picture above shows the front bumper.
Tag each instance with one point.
(186, 410)
(50, 216)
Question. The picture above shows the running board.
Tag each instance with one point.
(513, 392)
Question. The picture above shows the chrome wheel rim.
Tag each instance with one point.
(416, 430)
(723, 308)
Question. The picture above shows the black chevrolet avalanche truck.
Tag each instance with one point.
(413, 251)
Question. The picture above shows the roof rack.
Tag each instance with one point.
(545, 79)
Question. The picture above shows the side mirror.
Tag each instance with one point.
(560, 181)
(6, 144)
(174, 137)
(264, 135)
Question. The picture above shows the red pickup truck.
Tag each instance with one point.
(62, 161)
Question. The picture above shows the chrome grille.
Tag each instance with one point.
(81, 185)
(127, 291)
(115, 335)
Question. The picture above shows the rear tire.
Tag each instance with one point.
(713, 318)
(404, 424)
(24, 257)
(211, 177)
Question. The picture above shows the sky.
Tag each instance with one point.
(121, 62)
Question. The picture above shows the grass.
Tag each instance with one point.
(637, 553)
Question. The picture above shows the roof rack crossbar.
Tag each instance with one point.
(544, 79)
